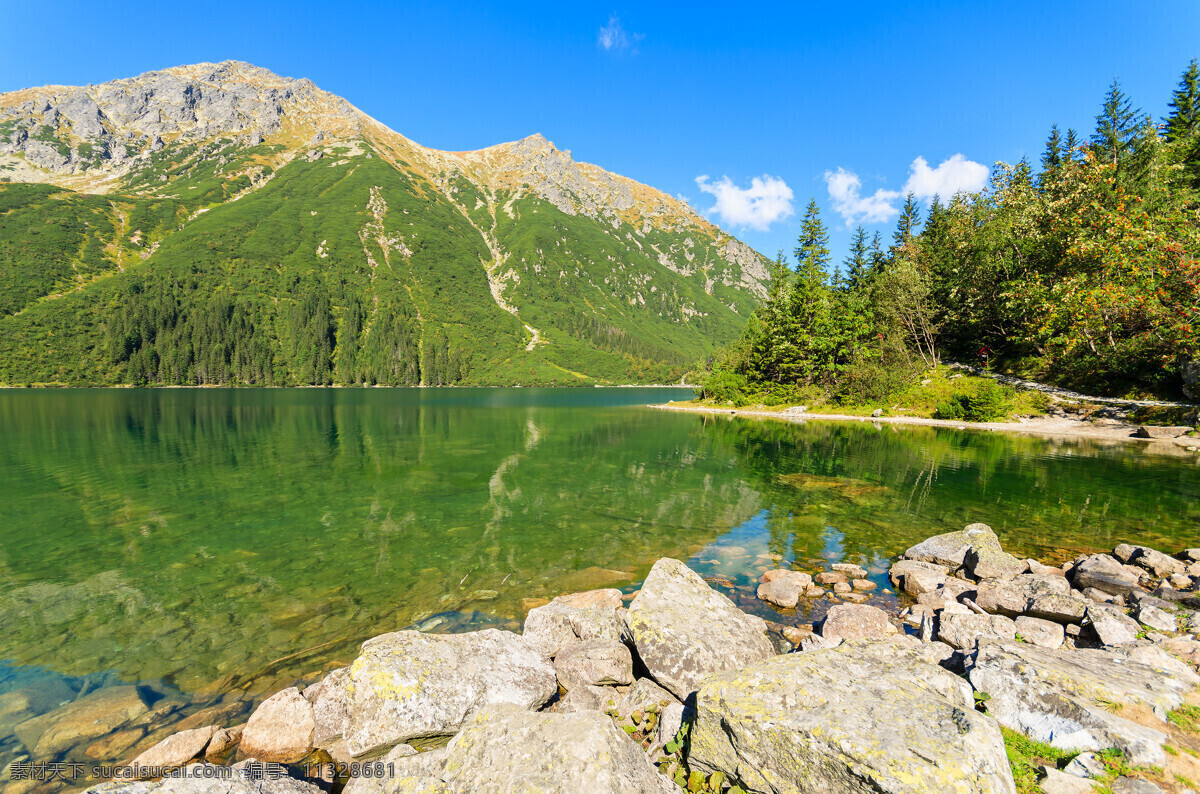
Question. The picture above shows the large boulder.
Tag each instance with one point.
(568, 619)
(1036, 595)
(408, 685)
(856, 622)
(1058, 697)
(1156, 562)
(594, 663)
(281, 729)
(685, 631)
(209, 779)
(503, 749)
(862, 717)
(1111, 626)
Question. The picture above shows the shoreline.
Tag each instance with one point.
(1113, 430)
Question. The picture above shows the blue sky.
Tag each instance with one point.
(805, 98)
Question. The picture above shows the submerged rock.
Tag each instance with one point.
(83, 720)
(685, 631)
(407, 685)
(862, 717)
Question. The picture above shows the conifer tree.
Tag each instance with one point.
(1184, 120)
(858, 261)
(906, 226)
(1052, 158)
(1117, 126)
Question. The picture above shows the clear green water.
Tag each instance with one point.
(222, 543)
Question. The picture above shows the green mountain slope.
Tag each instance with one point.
(222, 225)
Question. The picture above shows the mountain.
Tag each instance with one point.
(217, 223)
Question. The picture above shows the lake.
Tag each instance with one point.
(212, 546)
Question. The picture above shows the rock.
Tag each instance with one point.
(948, 549)
(1042, 633)
(1017, 595)
(113, 746)
(595, 614)
(1057, 697)
(175, 750)
(1154, 431)
(1099, 596)
(407, 685)
(410, 772)
(782, 592)
(964, 631)
(1180, 581)
(1110, 625)
(878, 412)
(83, 720)
(802, 580)
(1192, 554)
(585, 698)
(1131, 785)
(1160, 660)
(1155, 618)
(644, 695)
(1124, 552)
(209, 779)
(506, 749)
(841, 588)
(670, 720)
(915, 577)
(219, 714)
(863, 585)
(685, 631)
(986, 560)
(850, 569)
(856, 622)
(1156, 562)
(831, 577)
(1188, 650)
(1087, 765)
(866, 716)
(281, 729)
(594, 663)
(1055, 782)
(1104, 573)
(816, 642)
(330, 700)
(1039, 569)
(224, 740)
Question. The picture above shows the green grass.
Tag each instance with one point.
(1186, 717)
(1026, 757)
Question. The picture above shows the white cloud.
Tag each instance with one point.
(955, 175)
(613, 36)
(845, 188)
(767, 200)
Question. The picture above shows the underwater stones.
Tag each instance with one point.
(595, 614)
(281, 729)
(684, 631)
(594, 663)
(175, 750)
(1058, 696)
(866, 716)
(856, 622)
(84, 720)
(407, 685)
